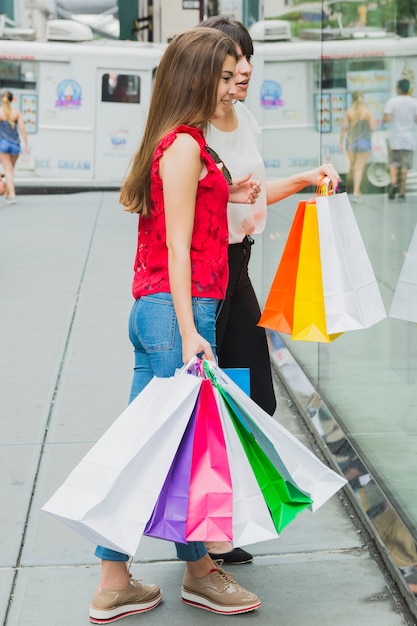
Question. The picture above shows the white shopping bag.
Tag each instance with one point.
(252, 521)
(110, 495)
(294, 461)
(404, 302)
(352, 299)
(26, 162)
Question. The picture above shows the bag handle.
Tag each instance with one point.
(195, 366)
(324, 187)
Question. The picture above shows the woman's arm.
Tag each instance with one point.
(344, 129)
(277, 190)
(244, 190)
(372, 121)
(180, 169)
(22, 131)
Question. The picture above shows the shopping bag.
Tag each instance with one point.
(294, 461)
(252, 521)
(332, 284)
(278, 312)
(26, 161)
(111, 494)
(210, 499)
(240, 376)
(169, 517)
(352, 299)
(309, 322)
(404, 302)
(283, 499)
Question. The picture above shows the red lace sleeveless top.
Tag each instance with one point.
(209, 261)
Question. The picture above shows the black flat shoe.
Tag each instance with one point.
(236, 556)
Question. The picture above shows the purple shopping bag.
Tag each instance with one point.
(168, 519)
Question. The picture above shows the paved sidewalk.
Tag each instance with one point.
(65, 369)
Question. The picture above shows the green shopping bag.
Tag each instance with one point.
(283, 499)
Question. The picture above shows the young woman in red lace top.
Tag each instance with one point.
(181, 271)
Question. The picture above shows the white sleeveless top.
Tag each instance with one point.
(240, 150)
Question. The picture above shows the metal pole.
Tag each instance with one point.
(245, 12)
(151, 24)
(203, 10)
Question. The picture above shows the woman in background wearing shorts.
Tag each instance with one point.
(11, 124)
(358, 124)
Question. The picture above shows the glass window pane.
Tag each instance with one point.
(18, 74)
(120, 88)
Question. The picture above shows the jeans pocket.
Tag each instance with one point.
(204, 311)
(152, 323)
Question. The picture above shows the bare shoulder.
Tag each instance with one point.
(182, 158)
(348, 115)
(186, 143)
(184, 149)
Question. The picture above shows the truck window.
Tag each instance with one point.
(120, 88)
(18, 74)
(333, 73)
(330, 74)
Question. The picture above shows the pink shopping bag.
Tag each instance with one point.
(210, 503)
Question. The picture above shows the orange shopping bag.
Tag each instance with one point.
(279, 308)
(309, 322)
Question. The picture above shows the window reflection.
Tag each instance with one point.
(370, 379)
(383, 517)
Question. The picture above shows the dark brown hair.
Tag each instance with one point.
(404, 85)
(233, 29)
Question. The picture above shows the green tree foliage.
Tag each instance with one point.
(406, 9)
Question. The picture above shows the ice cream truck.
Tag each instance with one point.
(85, 103)
(84, 106)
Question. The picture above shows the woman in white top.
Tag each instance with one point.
(236, 138)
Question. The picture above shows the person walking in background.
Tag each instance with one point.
(181, 195)
(358, 125)
(11, 124)
(401, 113)
(237, 138)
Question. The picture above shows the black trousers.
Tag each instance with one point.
(240, 342)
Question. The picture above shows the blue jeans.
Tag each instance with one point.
(154, 333)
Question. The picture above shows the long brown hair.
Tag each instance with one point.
(6, 100)
(184, 92)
